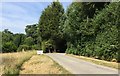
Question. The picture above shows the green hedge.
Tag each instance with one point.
(101, 39)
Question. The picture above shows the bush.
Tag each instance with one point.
(25, 47)
(35, 47)
(29, 41)
(106, 29)
(98, 37)
(72, 51)
(43, 46)
(9, 47)
(47, 45)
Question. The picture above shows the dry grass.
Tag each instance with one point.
(96, 61)
(11, 62)
(42, 64)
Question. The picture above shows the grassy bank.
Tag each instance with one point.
(42, 64)
(97, 61)
(11, 62)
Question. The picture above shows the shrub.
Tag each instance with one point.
(29, 41)
(25, 47)
(106, 30)
(9, 47)
(47, 45)
(35, 47)
(98, 36)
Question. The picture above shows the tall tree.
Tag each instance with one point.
(107, 32)
(18, 39)
(49, 23)
(31, 31)
(78, 25)
(29, 41)
(7, 41)
(7, 36)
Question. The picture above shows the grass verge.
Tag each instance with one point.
(96, 61)
(42, 64)
(11, 62)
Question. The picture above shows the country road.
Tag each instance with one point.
(77, 66)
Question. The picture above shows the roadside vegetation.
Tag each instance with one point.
(12, 62)
(28, 63)
(93, 34)
(42, 64)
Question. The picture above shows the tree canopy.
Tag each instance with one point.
(49, 24)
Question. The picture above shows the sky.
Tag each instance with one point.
(16, 15)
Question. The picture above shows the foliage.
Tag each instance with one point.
(7, 36)
(49, 24)
(106, 30)
(29, 41)
(32, 31)
(10, 41)
(18, 39)
(47, 46)
(24, 48)
(16, 42)
(35, 47)
(9, 47)
(93, 34)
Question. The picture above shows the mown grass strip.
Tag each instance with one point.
(42, 64)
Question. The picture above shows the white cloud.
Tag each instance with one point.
(16, 15)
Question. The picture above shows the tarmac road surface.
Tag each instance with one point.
(78, 66)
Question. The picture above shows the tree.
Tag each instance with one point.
(106, 30)
(75, 30)
(7, 36)
(7, 41)
(18, 39)
(49, 23)
(9, 47)
(32, 31)
(79, 28)
(24, 47)
(94, 34)
(29, 41)
(48, 46)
